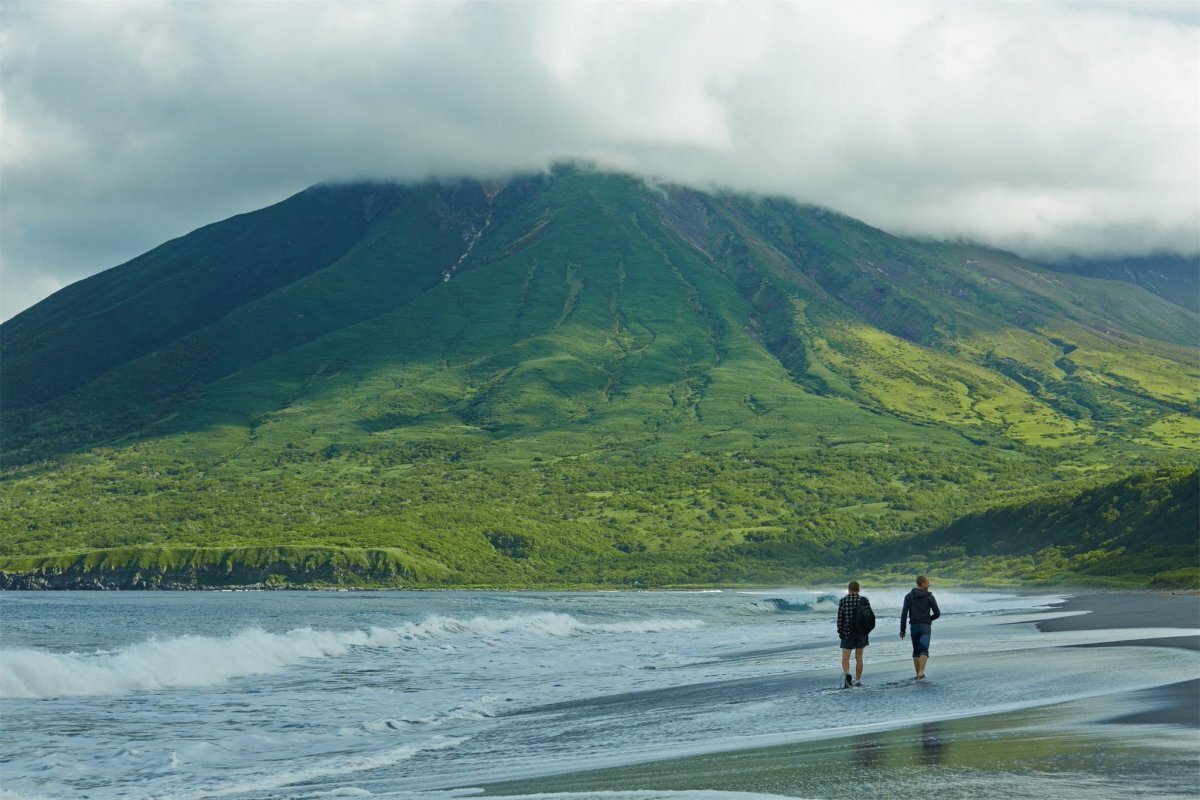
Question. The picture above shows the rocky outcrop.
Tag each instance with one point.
(224, 568)
(116, 582)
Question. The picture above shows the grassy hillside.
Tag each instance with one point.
(1173, 277)
(1144, 524)
(571, 378)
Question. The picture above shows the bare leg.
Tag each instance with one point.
(845, 661)
(858, 664)
(921, 665)
(917, 666)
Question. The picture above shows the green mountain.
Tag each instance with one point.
(1173, 277)
(562, 379)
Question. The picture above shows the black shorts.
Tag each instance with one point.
(855, 641)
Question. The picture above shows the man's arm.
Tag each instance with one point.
(937, 612)
(904, 615)
(841, 619)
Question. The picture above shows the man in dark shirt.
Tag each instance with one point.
(851, 639)
(920, 610)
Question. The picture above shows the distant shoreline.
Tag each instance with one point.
(1076, 594)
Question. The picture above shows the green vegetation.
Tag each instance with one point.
(1172, 277)
(1116, 534)
(576, 379)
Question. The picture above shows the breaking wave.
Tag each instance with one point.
(889, 600)
(793, 605)
(188, 661)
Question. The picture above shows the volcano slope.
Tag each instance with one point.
(566, 379)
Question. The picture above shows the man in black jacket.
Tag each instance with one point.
(920, 610)
(851, 638)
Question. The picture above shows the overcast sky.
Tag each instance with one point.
(1046, 128)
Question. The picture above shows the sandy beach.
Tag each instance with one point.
(1175, 704)
(1129, 610)
(1098, 747)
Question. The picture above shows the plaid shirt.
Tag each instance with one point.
(846, 608)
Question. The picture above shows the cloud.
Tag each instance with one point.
(1048, 128)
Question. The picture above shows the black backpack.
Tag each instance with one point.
(864, 617)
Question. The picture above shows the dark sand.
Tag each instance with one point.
(1130, 610)
(1011, 755)
(1178, 703)
(973, 757)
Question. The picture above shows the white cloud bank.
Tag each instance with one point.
(1047, 128)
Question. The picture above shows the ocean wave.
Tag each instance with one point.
(793, 605)
(890, 599)
(192, 661)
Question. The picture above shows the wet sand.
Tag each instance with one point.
(1078, 748)
(1022, 754)
(1178, 703)
(1128, 610)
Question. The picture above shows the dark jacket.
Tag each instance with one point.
(920, 608)
(846, 608)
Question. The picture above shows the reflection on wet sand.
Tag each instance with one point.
(933, 744)
(866, 751)
(1054, 751)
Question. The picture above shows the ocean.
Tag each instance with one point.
(430, 695)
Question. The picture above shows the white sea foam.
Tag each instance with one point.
(483, 708)
(636, 794)
(659, 794)
(191, 661)
(326, 768)
(956, 602)
(5, 794)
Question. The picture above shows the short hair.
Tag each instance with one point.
(853, 586)
(921, 579)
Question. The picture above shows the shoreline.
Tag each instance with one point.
(1123, 610)
(989, 750)
(990, 747)
(1176, 703)
(68, 581)
(1129, 611)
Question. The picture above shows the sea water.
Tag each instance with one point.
(424, 695)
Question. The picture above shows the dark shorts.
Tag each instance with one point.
(920, 639)
(854, 641)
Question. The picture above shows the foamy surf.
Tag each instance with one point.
(327, 768)
(197, 661)
(481, 709)
(645, 795)
(890, 599)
